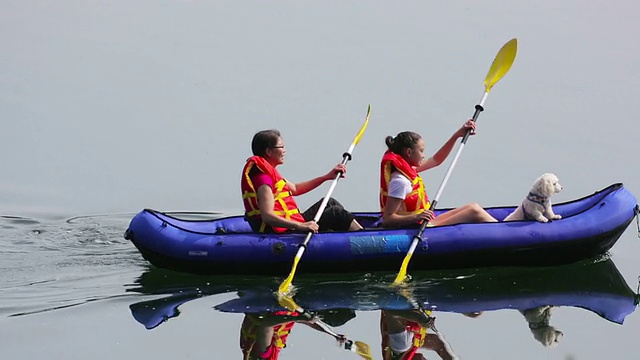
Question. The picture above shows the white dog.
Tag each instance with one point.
(537, 206)
(538, 319)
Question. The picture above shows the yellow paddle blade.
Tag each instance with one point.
(501, 64)
(285, 287)
(288, 303)
(402, 274)
(363, 350)
(356, 140)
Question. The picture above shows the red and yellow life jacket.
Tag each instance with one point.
(417, 200)
(419, 335)
(248, 334)
(284, 204)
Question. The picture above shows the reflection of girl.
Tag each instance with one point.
(404, 332)
(262, 336)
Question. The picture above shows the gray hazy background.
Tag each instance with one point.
(113, 106)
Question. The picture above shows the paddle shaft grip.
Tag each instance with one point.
(423, 226)
(476, 113)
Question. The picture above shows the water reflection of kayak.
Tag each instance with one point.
(590, 226)
(596, 286)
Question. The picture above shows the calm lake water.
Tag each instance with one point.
(111, 107)
(75, 289)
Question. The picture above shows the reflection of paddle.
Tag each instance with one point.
(408, 294)
(501, 64)
(286, 284)
(360, 348)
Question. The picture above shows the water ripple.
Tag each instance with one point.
(52, 264)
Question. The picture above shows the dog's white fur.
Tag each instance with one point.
(538, 319)
(537, 206)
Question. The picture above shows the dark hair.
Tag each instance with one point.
(405, 139)
(263, 140)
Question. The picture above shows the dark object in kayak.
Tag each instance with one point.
(589, 226)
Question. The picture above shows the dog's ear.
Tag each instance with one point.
(549, 181)
(546, 186)
(555, 186)
(539, 185)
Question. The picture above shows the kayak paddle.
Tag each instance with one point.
(286, 284)
(359, 347)
(500, 66)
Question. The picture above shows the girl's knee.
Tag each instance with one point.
(333, 202)
(480, 213)
(475, 207)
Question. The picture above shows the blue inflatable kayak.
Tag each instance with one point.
(590, 226)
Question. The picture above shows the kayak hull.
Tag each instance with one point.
(590, 226)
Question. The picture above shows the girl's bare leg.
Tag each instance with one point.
(354, 226)
(470, 213)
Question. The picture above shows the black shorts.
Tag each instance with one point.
(334, 217)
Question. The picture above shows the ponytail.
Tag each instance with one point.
(405, 139)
